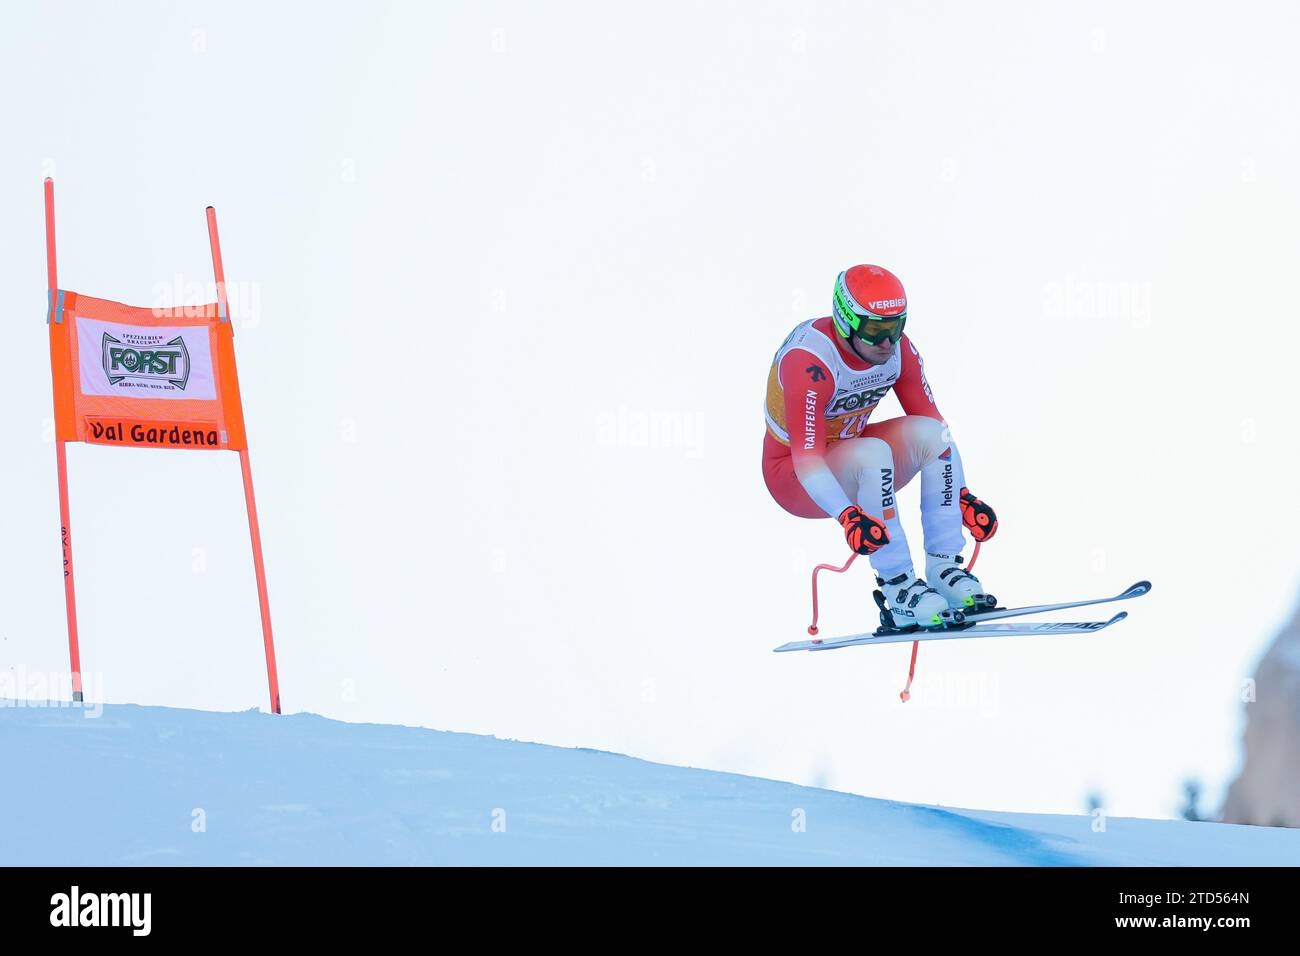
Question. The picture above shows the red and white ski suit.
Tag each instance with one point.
(822, 454)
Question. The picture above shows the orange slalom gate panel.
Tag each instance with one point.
(152, 378)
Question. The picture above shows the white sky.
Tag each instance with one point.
(482, 245)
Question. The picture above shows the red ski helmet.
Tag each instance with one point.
(869, 301)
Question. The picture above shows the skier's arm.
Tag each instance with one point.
(808, 387)
(912, 389)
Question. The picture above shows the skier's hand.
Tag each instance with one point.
(979, 519)
(864, 533)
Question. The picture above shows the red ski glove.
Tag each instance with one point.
(978, 517)
(864, 533)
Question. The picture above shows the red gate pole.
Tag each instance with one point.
(255, 535)
(61, 456)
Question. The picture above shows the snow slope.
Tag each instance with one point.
(126, 787)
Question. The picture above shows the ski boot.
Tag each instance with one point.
(961, 589)
(907, 602)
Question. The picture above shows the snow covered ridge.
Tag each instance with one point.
(158, 786)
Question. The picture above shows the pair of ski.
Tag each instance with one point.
(978, 624)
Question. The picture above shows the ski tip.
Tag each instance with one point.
(1118, 617)
(1139, 589)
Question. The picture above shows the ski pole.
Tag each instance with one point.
(812, 628)
(906, 695)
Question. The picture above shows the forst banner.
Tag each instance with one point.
(151, 378)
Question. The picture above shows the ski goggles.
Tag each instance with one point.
(873, 329)
(876, 331)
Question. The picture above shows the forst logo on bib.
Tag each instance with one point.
(146, 362)
(852, 401)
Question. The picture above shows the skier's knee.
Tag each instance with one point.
(870, 455)
(873, 451)
(934, 430)
(934, 436)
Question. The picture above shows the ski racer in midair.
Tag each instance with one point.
(822, 457)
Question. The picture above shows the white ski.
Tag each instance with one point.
(1037, 629)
